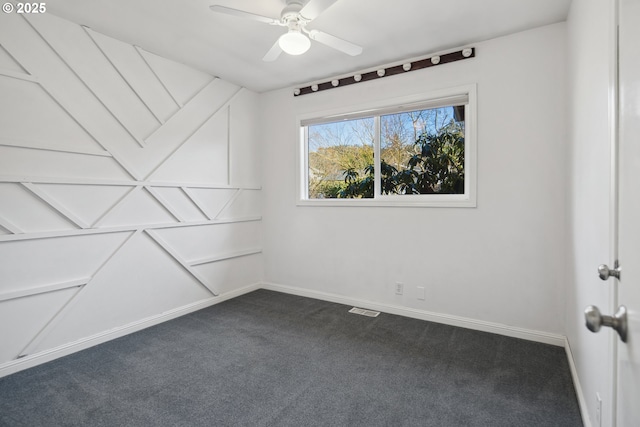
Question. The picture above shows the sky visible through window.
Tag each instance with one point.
(343, 150)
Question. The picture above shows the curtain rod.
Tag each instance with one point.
(384, 72)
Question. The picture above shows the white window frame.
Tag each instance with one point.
(419, 101)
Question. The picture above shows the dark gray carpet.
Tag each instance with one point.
(271, 359)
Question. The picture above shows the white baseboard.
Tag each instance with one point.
(495, 328)
(582, 403)
(66, 349)
(463, 322)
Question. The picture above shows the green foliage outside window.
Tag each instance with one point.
(437, 167)
(421, 152)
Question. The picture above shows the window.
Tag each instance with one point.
(416, 151)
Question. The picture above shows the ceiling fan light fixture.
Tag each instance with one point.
(294, 42)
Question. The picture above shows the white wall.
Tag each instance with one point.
(501, 262)
(130, 188)
(121, 171)
(589, 78)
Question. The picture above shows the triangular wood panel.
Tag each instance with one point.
(121, 291)
(86, 60)
(181, 81)
(138, 208)
(55, 260)
(180, 202)
(27, 316)
(211, 201)
(132, 66)
(203, 158)
(22, 99)
(28, 212)
(88, 202)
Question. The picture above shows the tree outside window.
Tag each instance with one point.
(421, 152)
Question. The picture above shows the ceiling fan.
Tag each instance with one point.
(295, 17)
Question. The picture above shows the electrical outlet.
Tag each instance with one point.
(399, 288)
(420, 293)
(598, 410)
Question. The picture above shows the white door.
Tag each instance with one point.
(628, 354)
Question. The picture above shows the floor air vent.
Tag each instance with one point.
(363, 312)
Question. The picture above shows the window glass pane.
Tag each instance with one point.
(341, 159)
(422, 151)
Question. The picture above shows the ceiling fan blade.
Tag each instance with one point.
(336, 43)
(314, 8)
(273, 53)
(243, 14)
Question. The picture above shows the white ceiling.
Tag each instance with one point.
(232, 48)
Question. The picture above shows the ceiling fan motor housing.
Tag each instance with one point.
(291, 12)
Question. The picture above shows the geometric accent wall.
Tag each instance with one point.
(129, 185)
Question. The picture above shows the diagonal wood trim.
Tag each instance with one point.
(37, 339)
(139, 141)
(57, 234)
(18, 63)
(118, 158)
(45, 84)
(89, 31)
(164, 245)
(180, 104)
(226, 256)
(6, 296)
(18, 75)
(213, 79)
(53, 203)
(228, 102)
(196, 202)
(9, 226)
(181, 107)
(46, 146)
(230, 202)
(58, 74)
(165, 204)
(44, 356)
(120, 202)
(193, 202)
(139, 50)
